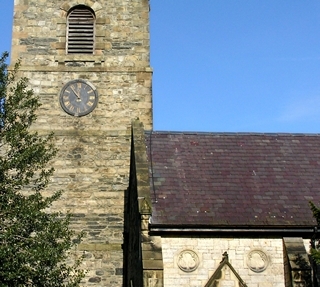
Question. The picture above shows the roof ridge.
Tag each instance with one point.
(231, 133)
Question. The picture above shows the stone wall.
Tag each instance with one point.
(259, 262)
(92, 166)
(143, 251)
(122, 33)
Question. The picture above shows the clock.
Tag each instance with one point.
(78, 98)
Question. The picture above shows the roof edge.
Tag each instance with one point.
(232, 133)
(303, 231)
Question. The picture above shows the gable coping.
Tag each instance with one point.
(216, 275)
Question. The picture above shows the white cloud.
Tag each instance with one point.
(302, 109)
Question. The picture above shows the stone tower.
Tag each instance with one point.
(88, 60)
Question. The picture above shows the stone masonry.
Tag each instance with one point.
(209, 252)
(267, 254)
(92, 166)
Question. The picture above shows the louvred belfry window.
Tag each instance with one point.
(80, 32)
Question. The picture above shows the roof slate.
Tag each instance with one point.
(218, 179)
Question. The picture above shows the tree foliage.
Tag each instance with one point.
(34, 243)
(315, 251)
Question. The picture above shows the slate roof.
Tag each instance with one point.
(220, 179)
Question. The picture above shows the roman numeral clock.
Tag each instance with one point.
(78, 97)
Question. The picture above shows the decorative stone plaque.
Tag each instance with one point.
(257, 261)
(188, 261)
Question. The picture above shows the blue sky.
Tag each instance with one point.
(231, 65)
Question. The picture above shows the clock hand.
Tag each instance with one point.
(75, 92)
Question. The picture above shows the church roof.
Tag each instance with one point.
(232, 179)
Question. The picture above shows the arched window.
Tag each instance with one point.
(80, 30)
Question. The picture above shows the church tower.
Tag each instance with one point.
(88, 60)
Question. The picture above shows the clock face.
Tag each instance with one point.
(78, 98)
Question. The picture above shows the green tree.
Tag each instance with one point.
(34, 243)
(315, 242)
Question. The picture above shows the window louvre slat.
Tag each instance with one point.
(81, 22)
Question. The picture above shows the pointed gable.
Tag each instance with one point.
(225, 275)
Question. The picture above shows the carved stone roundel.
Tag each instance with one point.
(257, 261)
(188, 261)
